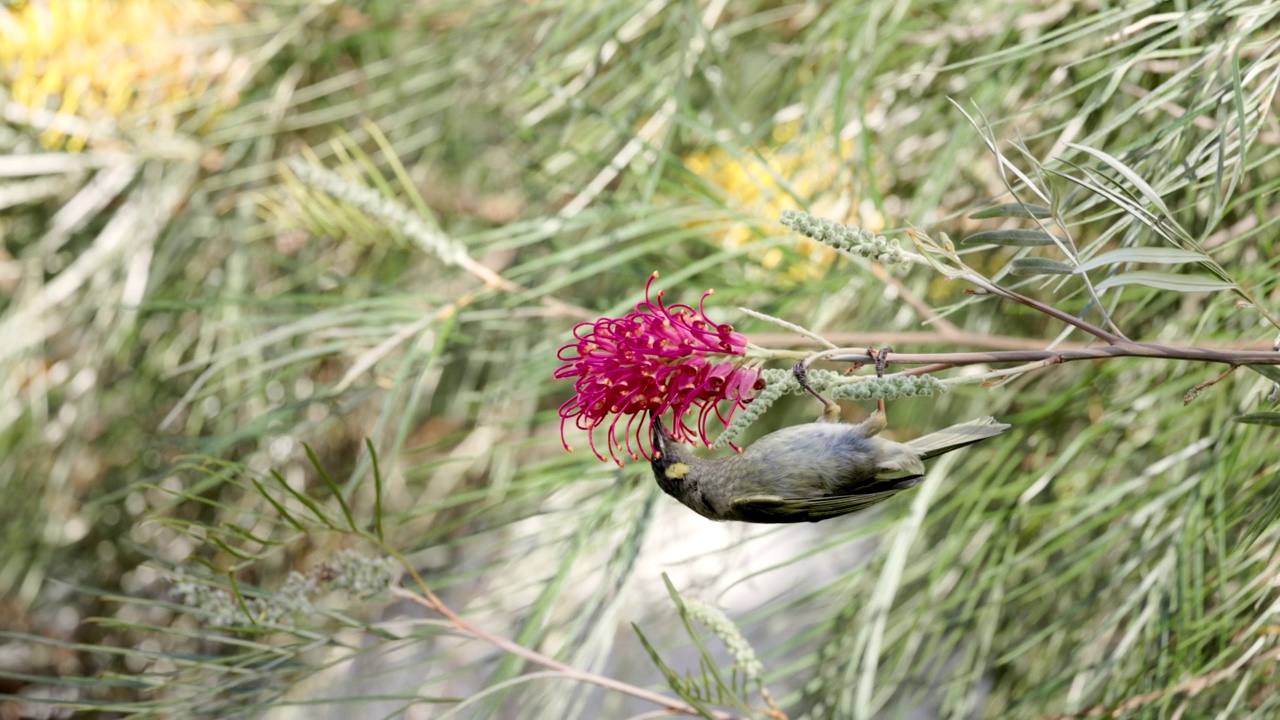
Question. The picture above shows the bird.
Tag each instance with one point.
(805, 473)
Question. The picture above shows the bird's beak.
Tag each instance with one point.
(659, 434)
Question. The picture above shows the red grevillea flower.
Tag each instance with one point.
(655, 359)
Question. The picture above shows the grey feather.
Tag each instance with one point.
(956, 436)
(807, 472)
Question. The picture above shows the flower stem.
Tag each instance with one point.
(429, 600)
(1123, 348)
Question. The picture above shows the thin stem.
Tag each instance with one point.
(1049, 310)
(428, 599)
(1004, 374)
(901, 338)
(942, 361)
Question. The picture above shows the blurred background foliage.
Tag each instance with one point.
(231, 228)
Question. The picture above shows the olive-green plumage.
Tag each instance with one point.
(805, 472)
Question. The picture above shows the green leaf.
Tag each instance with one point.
(1128, 173)
(1014, 210)
(377, 490)
(302, 498)
(1270, 372)
(333, 487)
(674, 681)
(1039, 266)
(1019, 238)
(232, 551)
(284, 512)
(1160, 255)
(1166, 281)
(710, 670)
(1262, 418)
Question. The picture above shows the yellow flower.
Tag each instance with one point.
(76, 64)
(763, 185)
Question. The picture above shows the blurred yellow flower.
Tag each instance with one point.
(765, 184)
(132, 63)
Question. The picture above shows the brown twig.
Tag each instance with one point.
(909, 339)
(942, 361)
(987, 287)
(429, 600)
(1072, 320)
(1194, 392)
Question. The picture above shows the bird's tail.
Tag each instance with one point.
(956, 436)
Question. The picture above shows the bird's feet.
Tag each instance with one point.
(830, 410)
(880, 357)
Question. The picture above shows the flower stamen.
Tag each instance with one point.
(655, 359)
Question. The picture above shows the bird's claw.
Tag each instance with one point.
(830, 410)
(880, 358)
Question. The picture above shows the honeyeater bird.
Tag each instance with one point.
(808, 472)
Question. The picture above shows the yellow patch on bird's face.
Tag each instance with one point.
(677, 471)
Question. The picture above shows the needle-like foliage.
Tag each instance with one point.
(282, 286)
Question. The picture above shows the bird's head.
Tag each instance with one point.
(671, 461)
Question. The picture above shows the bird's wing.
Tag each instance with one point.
(778, 509)
(956, 436)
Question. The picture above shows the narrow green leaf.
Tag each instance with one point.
(302, 498)
(235, 591)
(1166, 281)
(673, 678)
(333, 487)
(1133, 177)
(1015, 237)
(377, 491)
(1012, 210)
(284, 512)
(1262, 418)
(245, 534)
(207, 565)
(1160, 255)
(1039, 266)
(280, 509)
(233, 552)
(1270, 372)
(709, 659)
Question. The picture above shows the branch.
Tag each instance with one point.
(964, 272)
(1049, 310)
(429, 600)
(906, 337)
(942, 361)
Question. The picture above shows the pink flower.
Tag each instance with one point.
(655, 359)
